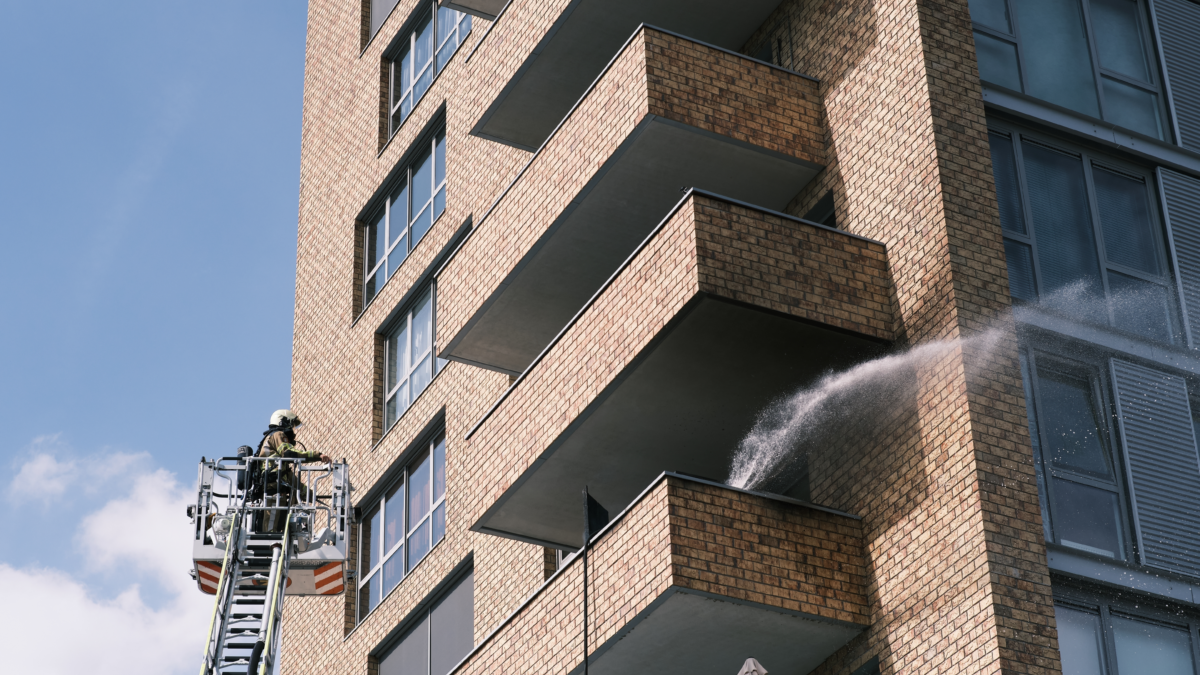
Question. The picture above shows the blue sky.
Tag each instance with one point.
(149, 171)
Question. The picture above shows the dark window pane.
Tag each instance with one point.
(370, 541)
(439, 523)
(452, 627)
(447, 20)
(439, 203)
(1079, 642)
(991, 13)
(422, 184)
(397, 357)
(422, 326)
(398, 255)
(1119, 38)
(421, 224)
(418, 544)
(439, 469)
(1125, 220)
(1149, 649)
(375, 283)
(376, 240)
(439, 162)
(393, 571)
(1020, 271)
(1141, 307)
(1008, 191)
(399, 211)
(393, 524)
(997, 61)
(1057, 61)
(418, 492)
(1132, 108)
(423, 44)
(1087, 519)
(411, 655)
(393, 409)
(1067, 256)
(1071, 424)
(368, 597)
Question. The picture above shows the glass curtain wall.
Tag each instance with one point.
(1091, 56)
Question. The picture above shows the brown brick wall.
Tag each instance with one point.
(949, 499)
(955, 575)
(793, 267)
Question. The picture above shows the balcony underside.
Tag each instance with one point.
(484, 9)
(624, 201)
(681, 405)
(686, 632)
(583, 39)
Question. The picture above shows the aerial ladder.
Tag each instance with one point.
(263, 529)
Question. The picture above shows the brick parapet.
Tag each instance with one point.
(656, 73)
(683, 535)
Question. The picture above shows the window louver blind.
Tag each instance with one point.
(1179, 33)
(1181, 196)
(1164, 470)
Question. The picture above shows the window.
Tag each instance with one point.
(420, 56)
(1074, 440)
(1081, 236)
(410, 361)
(440, 637)
(1091, 56)
(1117, 457)
(408, 213)
(403, 526)
(1097, 637)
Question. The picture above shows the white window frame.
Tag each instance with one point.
(398, 113)
(428, 451)
(384, 219)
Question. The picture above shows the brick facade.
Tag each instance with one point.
(947, 567)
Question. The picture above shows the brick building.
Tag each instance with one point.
(562, 243)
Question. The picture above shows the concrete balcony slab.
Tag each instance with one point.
(669, 114)
(722, 309)
(583, 39)
(694, 577)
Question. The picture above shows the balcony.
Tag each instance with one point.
(576, 48)
(668, 114)
(695, 577)
(721, 310)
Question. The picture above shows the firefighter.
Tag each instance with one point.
(279, 440)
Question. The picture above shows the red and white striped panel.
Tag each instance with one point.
(208, 576)
(328, 579)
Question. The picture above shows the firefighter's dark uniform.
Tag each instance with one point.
(280, 480)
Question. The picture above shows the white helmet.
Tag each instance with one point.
(285, 419)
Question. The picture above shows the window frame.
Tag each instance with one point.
(411, 460)
(404, 320)
(383, 214)
(1090, 161)
(405, 43)
(1036, 359)
(1101, 602)
(423, 613)
(1151, 53)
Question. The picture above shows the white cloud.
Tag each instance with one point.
(63, 626)
(42, 479)
(51, 470)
